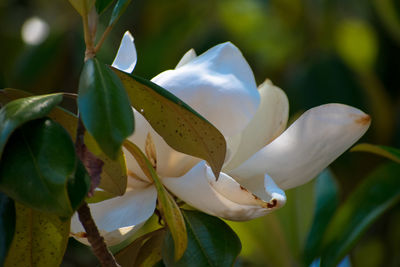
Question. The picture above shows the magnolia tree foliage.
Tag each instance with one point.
(194, 145)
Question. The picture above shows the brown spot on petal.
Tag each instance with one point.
(273, 204)
(243, 188)
(363, 120)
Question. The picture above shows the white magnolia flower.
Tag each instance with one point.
(263, 159)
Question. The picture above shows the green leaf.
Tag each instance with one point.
(378, 193)
(118, 10)
(169, 209)
(144, 251)
(104, 107)
(113, 177)
(82, 6)
(327, 200)
(39, 160)
(7, 225)
(384, 151)
(181, 127)
(40, 239)
(102, 5)
(78, 186)
(151, 251)
(211, 242)
(20, 111)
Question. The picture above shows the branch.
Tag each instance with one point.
(95, 239)
(103, 38)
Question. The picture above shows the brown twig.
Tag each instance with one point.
(103, 38)
(89, 53)
(99, 247)
(95, 239)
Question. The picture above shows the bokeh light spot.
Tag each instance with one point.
(34, 31)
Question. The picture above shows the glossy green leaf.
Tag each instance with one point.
(144, 251)
(102, 5)
(181, 127)
(7, 225)
(169, 209)
(378, 193)
(40, 239)
(211, 243)
(42, 152)
(82, 6)
(104, 107)
(78, 186)
(327, 200)
(384, 151)
(20, 111)
(118, 10)
(113, 177)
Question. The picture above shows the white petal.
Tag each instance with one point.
(170, 162)
(126, 57)
(187, 57)
(232, 145)
(218, 84)
(119, 217)
(310, 144)
(269, 191)
(224, 198)
(268, 123)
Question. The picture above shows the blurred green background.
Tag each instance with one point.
(317, 51)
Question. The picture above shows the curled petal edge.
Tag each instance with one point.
(224, 198)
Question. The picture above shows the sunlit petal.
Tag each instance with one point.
(218, 84)
(187, 57)
(310, 144)
(126, 57)
(224, 198)
(118, 217)
(268, 123)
